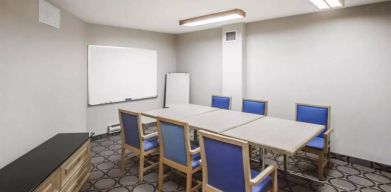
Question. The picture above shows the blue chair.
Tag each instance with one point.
(320, 145)
(134, 140)
(254, 106)
(177, 152)
(226, 166)
(221, 102)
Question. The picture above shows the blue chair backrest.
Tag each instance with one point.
(224, 165)
(255, 107)
(221, 102)
(174, 145)
(313, 114)
(131, 129)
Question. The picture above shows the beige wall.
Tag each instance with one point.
(339, 58)
(200, 54)
(42, 78)
(99, 117)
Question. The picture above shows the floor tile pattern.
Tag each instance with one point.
(343, 177)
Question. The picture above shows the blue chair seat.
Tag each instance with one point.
(194, 147)
(196, 161)
(264, 186)
(196, 158)
(317, 143)
(151, 143)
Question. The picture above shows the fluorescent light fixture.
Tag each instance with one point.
(213, 18)
(326, 4)
(335, 3)
(321, 4)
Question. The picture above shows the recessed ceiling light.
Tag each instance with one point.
(326, 4)
(213, 18)
(335, 3)
(320, 4)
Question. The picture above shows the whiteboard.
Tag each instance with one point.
(177, 89)
(118, 74)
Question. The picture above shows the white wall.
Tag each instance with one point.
(101, 116)
(339, 58)
(42, 78)
(233, 53)
(200, 54)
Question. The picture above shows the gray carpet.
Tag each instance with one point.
(343, 177)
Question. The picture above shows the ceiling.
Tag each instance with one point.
(164, 15)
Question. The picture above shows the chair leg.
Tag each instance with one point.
(275, 184)
(285, 163)
(141, 169)
(189, 181)
(122, 163)
(161, 174)
(320, 167)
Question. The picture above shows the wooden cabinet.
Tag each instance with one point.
(51, 184)
(71, 175)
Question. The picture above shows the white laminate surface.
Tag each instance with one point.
(179, 111)
(283, 135)
(220, 120)
(147, 120)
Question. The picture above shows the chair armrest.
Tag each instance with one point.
(149, 136)
(328, 132)
(195, 151)
(327, 139)
(261, 176)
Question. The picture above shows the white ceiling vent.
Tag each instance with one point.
(49, 14)
(230, 36)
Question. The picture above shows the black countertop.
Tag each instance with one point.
(27, 172)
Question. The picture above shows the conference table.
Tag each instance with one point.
(178, 111)
(280, 135)
(219, 121)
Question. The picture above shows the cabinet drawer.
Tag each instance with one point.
(74, 163)
(78, 179)
(50, 184)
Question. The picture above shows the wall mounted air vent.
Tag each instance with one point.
(230, 36)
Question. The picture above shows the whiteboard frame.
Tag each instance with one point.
(116, 102)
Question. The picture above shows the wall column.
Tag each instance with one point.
(233, 39)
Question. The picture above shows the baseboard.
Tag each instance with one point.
(362, 162)
(100, 136)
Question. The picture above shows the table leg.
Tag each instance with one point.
(286, 163)
(262, 158)
(195, 136)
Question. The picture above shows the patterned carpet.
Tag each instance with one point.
(343, 177)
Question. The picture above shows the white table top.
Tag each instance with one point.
(179, 111)
(147, 120)
(220, 120)
(285, 136)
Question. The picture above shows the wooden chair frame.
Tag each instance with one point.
(264, 101)
(138, 152)
(230, 100)
(188, 169)
(324, 156)
(249, 183)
